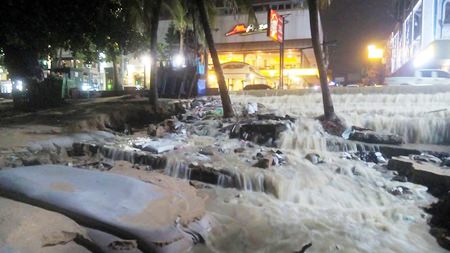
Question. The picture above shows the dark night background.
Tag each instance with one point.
(355, 24)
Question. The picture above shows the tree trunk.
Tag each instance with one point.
(153, 96)
(315, 36)
(226, 102)
(182, 31)
(116, 80)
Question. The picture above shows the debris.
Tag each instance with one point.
(314, 158)
(260, 132)
(370, 136)
(155, 146)
(426, 158)
(251, 108)
(264, 163)
(399, 190)
(399, 178)
(239, 150)
(209, 151)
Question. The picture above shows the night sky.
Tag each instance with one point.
(355, 24)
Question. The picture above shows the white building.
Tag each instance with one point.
(421, 39)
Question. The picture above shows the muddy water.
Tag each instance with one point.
(419, 118)
(339, 205)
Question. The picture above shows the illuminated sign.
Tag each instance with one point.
(242, 29)
(275, 29)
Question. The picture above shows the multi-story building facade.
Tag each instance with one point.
(257, 51)
(421, 38)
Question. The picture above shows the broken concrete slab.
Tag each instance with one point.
(157, 146)
(435, 178)
(119, 205)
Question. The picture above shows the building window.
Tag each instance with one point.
(418, 22)
(447, 13)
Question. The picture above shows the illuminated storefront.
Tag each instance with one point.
(240, 42)
(267, 63)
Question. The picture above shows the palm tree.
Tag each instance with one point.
(314, 6)
(154, 21)
(225, 97)
(180, 18)
(145, 15)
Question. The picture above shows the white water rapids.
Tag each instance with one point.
(340, 205)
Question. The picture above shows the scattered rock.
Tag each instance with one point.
(399, 178)
(123, 245)
(426, 158)
(264, 163)
(272, 116)
(446, 162)
(400, 190)
(314, 158)
(239, 150)
(209, 151)
(262, 133)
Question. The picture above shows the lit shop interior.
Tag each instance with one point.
(263, 67)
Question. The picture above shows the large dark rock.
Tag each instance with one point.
(369, 136)
(260, 132)
(440, 221)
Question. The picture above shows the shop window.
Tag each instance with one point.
(447, 13)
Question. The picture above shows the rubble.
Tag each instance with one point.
(429, 174)
(369, 136)
(314, 158)
(260, 132)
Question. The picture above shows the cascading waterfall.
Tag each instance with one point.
(418, 118)
(339, 205)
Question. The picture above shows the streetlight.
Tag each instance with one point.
(145, 59)
(178, 61)
(375, 52)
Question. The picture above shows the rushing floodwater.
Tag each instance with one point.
(339, 205)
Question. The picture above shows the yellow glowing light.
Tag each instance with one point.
(212, 78)
(302, 72)
(374, 52)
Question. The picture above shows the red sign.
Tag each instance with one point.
(242, 29)
(275, 29)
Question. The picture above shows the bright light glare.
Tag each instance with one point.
(19, 85)
(146, 59)
(212, 78)
(251, 76)
(178, 61)
(424, 57)
(85, 87)
(374, 52)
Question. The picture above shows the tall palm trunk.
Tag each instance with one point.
(182, 32)
(153, 96)
(315, 36)
(116, 79)
(226, 102)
